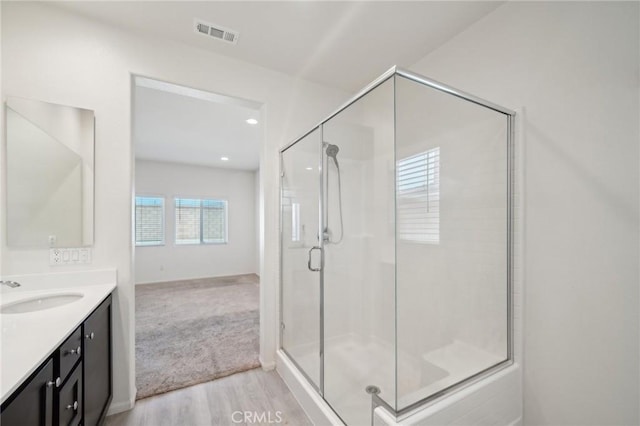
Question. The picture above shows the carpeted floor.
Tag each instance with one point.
(194, 331)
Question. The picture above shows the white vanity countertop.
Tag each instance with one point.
(29, 338)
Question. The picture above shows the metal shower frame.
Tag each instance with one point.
(376, 400)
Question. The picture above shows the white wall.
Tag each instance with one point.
(173, 261)
(54, 56)
(573, 67)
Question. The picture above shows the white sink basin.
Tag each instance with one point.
(39, 303)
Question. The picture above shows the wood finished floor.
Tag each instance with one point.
(214, 404)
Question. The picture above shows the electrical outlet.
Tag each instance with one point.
(69, 256)
(55, 256)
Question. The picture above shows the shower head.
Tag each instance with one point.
(332, 151)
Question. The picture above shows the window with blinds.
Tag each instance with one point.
(418, 197)
(295, 222)
(149, 221)
(201, 221)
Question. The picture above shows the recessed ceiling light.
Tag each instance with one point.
(252, 121)
(224, 158)
(309, 168)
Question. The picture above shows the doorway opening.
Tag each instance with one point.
(196, 214)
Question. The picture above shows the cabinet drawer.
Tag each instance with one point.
(69, 353)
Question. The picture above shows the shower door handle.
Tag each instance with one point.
(321, 259)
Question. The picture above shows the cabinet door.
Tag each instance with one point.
(97, 364)
(32, 406)
(70, 399)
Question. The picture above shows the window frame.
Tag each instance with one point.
(201, 242)
(163, 224)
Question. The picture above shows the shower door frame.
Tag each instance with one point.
(320, 386)
(510, 116)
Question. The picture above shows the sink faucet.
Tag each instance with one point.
(11, 284)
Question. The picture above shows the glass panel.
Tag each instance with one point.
(187, 221)
(360, 255)
(200, 221)
(451, 200)
(300, 212)
(149, 221)
(214, 221)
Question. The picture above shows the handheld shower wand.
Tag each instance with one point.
(332, 151)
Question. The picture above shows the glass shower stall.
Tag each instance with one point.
(396, 246)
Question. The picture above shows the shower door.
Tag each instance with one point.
(359, 270)
(338, 255)
(301, 255)
(396, 247)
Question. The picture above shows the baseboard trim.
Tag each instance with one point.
(267, 366)
(517, 422)
(165, 281)
(122, 406)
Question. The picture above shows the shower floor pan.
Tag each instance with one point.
(355, 364)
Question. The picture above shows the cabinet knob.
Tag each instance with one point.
(75, 351)
(90, 336)
(74, 406)
(57, 382)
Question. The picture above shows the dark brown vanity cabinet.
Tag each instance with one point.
(74, 386)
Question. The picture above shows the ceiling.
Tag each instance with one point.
(181, 125)
(339, 44)
(344, 45)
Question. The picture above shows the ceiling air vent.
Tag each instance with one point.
(216, 31)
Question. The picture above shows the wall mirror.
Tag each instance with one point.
(50, 159)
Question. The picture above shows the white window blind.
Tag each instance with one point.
(295, 221)
(149, 221)
(418, 197)
(201, 221)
